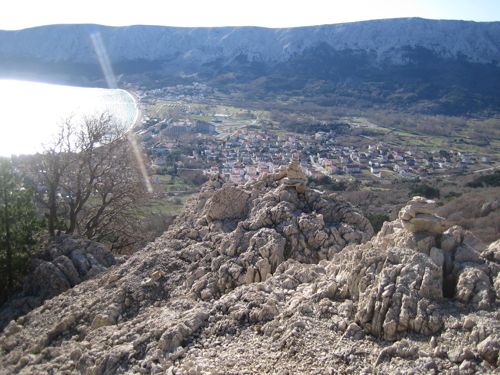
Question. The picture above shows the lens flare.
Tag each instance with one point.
(107, 70)
(104, 61)
(140, 161)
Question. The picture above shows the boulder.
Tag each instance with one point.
(474, 287)
(418, 216)
(48, 280)
(227, 203)
(66, 262)
(390, 300)
(489, 207)
(488, 349)
(68, 269)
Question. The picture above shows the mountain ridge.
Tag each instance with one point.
(340, 36)
(453, 65)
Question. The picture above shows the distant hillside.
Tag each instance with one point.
(426, 65)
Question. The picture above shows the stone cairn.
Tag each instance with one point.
(294, 176)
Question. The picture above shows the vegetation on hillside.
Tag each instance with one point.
(424, 190)
(492, 180)
(377, 220)
(19, 227)
(328, 183)
(88, 184)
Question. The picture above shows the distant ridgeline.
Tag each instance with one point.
(449, 67)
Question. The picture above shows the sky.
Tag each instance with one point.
(18, 14)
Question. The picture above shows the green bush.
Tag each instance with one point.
(424, 191)
(453, 194)
(377, 220)
(328, 183)
(486, 180)
(19, 227)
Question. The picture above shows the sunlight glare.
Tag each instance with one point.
(107, 69)
(31, 112)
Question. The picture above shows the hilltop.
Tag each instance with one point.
(275, 277)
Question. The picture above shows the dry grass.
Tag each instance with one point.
(466, 212)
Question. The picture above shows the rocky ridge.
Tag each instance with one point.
(385, 39)
(268, 278)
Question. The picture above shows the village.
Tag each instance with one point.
(243, 149)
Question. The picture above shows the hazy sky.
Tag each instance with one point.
(17, 14)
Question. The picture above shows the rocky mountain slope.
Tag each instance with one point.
(275, 277)
(477, 42)
(397, 61)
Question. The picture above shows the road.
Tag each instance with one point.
(487, 169)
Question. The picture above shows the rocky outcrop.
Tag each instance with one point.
(492, 255)
(255, 227)
(228, 203)
(418, 216)
(289, 282)
(66, 262)
(401, 279)
(489, 207)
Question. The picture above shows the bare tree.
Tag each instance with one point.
(90, 179)
(49, 169)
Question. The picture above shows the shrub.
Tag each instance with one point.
(328, 183)
(486, 180)
(377, 220)
(19, 227)
(424, 190)
(453, 194)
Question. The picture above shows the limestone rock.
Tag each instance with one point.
(273, 224)
(489, 207)
(474, 287)
(66, 262)
(492, 253)
(295, 176)
(227, 203)
(48, 280)
(451, 238)
(437, 256)
(464, 253)
(489, 347)
(398, 290)
(290, 282)
(68, 269)
(418, 216)
(492, 256)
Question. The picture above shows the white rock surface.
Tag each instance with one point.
(264, 293)
(388, 40)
